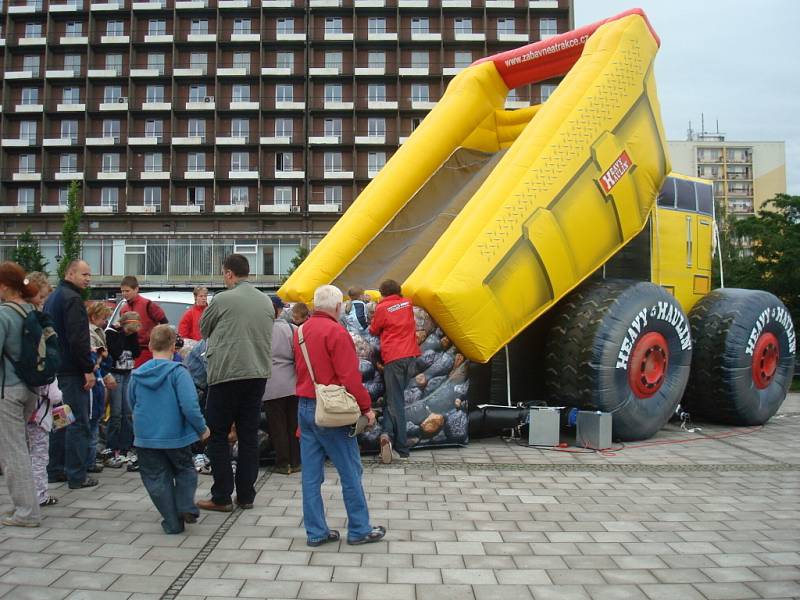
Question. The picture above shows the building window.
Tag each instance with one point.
(73, 29)
(27, 131)
(68, 163)
(196, 196)
(25, 198)
(199, 26)
(33, 30)
(376, 25)
(333, 194)
(462, 25)
(156, 61)
(284, 93)
(27, 163)
(115, 28)
(111, 128)
(241, 60)
(30, 95)
(333, 92)
(69, 130)
(285, 60)
(240, 161)
(282, 195)
(239, 196)
(420, 92)
(196, 162)
(110, 163)
(285, 26)
(152, 196)
(154, 128)
(241, 93)
(111, 93)
(334, 60)
(333, 128)
(283, 161)
(506, 25)
(545, 91)
(197, 92)
(31, 64)
(420, 25)
(114, 63)
(548, 27)
(375, 161)
(333, 25)
(376, 60)
(63, 196)
(197, 128)
(376, 127)
(420, 59)
(153, 162)
(72, 62)
(199, 60)
(157, 27)
(241, 26)
(332, 162)
(284, 128)
(463, 59)
(109, 197)
(154, 93)
(240, 128)
(376, 92)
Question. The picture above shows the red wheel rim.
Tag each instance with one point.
(647, 367)
(765, 359)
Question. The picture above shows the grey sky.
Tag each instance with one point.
(736, 61)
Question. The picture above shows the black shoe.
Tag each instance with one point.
(333, 536)
(133, 467)
(376, 535)
(87, 483)
(188, 517)
(95, 468)
(60, 478)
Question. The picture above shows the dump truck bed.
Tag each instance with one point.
(488, 217)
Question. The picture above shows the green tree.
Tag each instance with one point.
(70, 233)
(767, 254)
(28, 255)
(299, 256)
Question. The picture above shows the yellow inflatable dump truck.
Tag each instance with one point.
(557, 230)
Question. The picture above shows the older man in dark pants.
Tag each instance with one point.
(238, 327)
(75, 377)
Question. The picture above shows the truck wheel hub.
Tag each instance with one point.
(648, 364)
(765, 359)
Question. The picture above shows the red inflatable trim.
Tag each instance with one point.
(553, 57)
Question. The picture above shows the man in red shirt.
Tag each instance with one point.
(150, 313)
(394, 323)
(333, 359)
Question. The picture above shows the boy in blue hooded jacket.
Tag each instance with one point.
(166, 422)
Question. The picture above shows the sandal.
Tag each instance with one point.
(375, 535)
(333, 536)
(49, 502)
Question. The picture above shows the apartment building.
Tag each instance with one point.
(201, 127)
(745, 174)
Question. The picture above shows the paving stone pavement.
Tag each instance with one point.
(709, 514)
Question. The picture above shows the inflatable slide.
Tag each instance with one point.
(488, 216)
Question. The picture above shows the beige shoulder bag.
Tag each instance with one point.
(336, 407)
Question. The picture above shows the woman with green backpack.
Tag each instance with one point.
(17, 401)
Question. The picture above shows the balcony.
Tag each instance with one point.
(201, 37)
(190, 72)
(185, 208)
(507, 36)
(242, 174)
(229, 4)
(144, 208)
(59, 142)
(369, 3)
(155, 72)
(207, 103)
(190, 4)
(149, 140)
(26, 176)
(17, 209)
(115, 39)
(337, 175)
(412, 3)
(457, 3)
(189, 140)
(233, 71)
(325, 3)
(62, 73)
(418, 36)
(28, 8)
(513, 103)
(370, 70)
(103, 141)
(325, 71)
(499, 3)
(450, 71)
(29, 108)
(71, 107)
(106, 6)
(382, 104)
(112, 105)
(460, 36)
(73, 40)
(156, 105)
(337, 36)
(232, 140)
(289, 105)
(112, 175)
(277, 3)
(68, 175)
(243, 105)
(151, 5)
(413, 71)
(422, 105)
(337, 105)
(21, 74)
(230, 208)
(245, 37)
(32, 41)
(381, 36)
(159, 38)
(321, 140)
(275, 140)
(281, 36)
(154, 175)
(327, 207)
(543, 4)
(54, 208)
(278, 208)
(276, 71)
(198, 175)
(105, 72)
(101, 209)
(290, 174)
(370, 139)
(18, 142)
(64, 8)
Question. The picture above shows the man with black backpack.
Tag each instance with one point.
(75, 376)
(150, 314)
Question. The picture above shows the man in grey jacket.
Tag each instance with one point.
(238, 327)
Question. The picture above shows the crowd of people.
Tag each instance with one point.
(128, 376)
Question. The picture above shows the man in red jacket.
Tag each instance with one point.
(394, 323)
(150, 313)
(189, 327)
(333, 359)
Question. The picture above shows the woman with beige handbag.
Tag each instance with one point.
(331, 397)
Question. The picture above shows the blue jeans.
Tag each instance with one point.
(396, 375)
(94, 434)
(68, 445)
(171, 481)
(119, 433)
(336, 443)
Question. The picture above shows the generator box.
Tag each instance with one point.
(593, 430)
(544, 426)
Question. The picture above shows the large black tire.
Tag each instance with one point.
(743, 357)
(622, 347)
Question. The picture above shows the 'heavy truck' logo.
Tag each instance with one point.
(615, 172)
